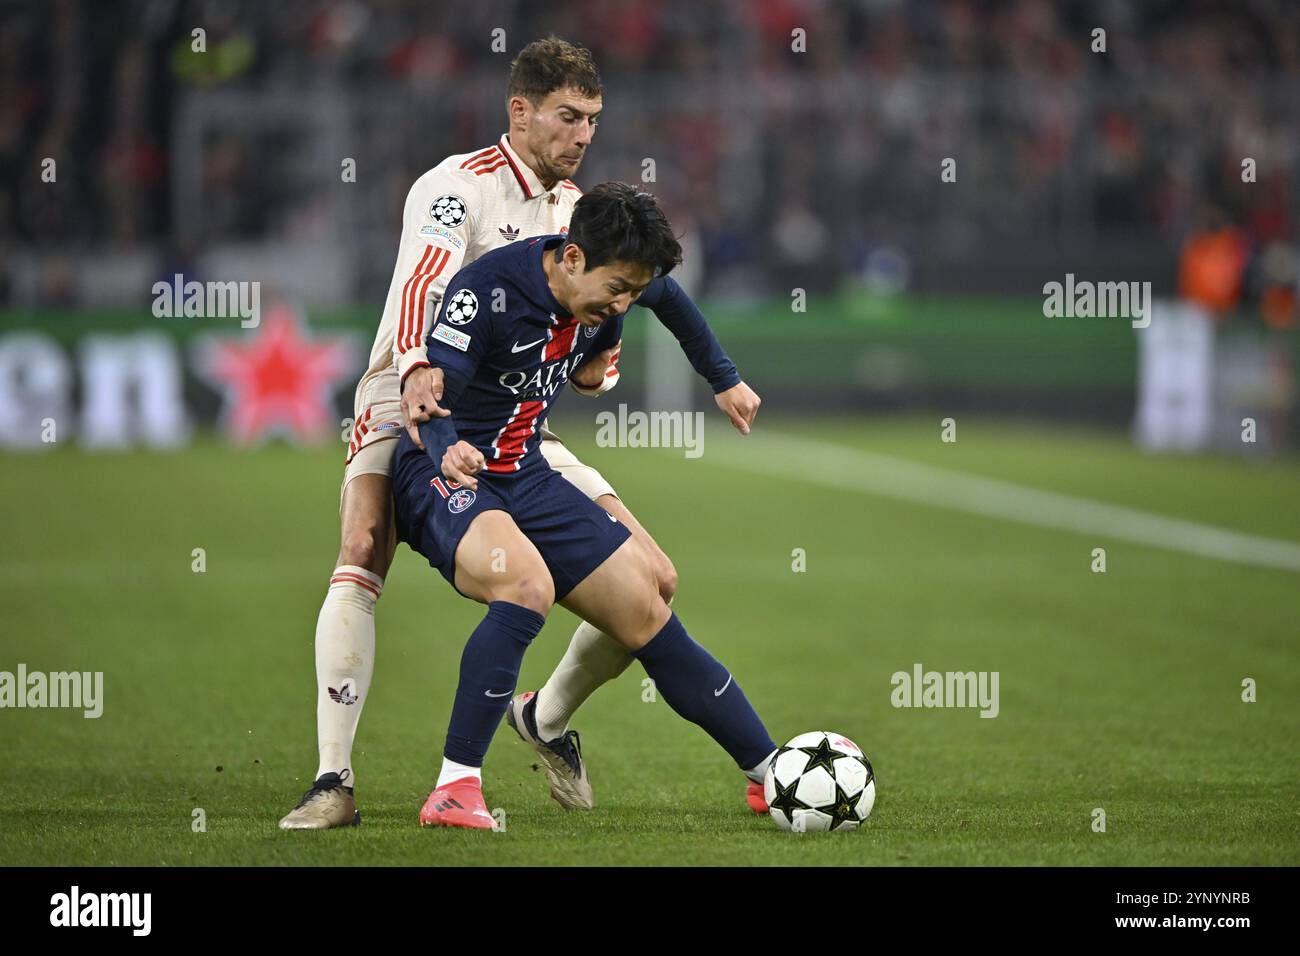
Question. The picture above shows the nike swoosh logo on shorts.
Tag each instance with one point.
(523, 348)
(718, 693)
(488, 693)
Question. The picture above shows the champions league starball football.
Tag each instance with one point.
(819, 781)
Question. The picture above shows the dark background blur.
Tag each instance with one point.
(816, 170)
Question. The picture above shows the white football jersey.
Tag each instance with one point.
(465, 206)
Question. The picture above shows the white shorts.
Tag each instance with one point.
(583, 477)
(378, 417)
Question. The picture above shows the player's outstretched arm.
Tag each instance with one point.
(683, 318)
(679, 315)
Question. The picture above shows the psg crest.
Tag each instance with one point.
(460, 500)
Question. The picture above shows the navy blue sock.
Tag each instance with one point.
(700, 689)
(489, 669)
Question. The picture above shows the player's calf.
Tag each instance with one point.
(700, 689)
(620, 596)
(345, 627)
(496, 564)
(489, 670)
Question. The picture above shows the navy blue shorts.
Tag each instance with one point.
(573, 534)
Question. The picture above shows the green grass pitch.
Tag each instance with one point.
(1119, 690)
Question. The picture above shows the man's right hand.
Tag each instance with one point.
(461, 463)
(420, 397)
(592, 372)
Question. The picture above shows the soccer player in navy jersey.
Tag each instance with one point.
(483, 506)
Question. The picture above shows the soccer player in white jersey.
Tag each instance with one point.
(468, 204)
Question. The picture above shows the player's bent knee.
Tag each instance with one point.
(636, 566)
(644, 609)
(367, 539)
(532, 589)
(665, 576)
(366, 548)
(644, 619)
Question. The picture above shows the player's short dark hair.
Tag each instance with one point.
(545, 66)
(616, 222)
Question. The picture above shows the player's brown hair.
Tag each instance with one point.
(545, 66)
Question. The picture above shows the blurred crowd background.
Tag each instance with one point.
(809, 169)
(797, 144)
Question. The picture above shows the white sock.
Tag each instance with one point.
(456, 771)
(593, 658)
(345, 662)
(759, 771)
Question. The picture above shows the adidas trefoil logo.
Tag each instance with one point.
(343, 695)
(509, 232)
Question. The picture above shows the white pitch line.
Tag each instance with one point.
(849, 469)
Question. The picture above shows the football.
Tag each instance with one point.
(820, 781)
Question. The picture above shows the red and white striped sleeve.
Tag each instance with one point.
(437, 229)
(606, 383)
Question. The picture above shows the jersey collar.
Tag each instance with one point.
(524, 175)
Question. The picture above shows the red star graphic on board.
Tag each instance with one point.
(278, 381)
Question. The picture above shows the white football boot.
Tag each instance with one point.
(327, 804)
(562, 757)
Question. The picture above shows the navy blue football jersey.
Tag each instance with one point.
(507, 349)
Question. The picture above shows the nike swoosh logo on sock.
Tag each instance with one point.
(718, 693)
(488, 693)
